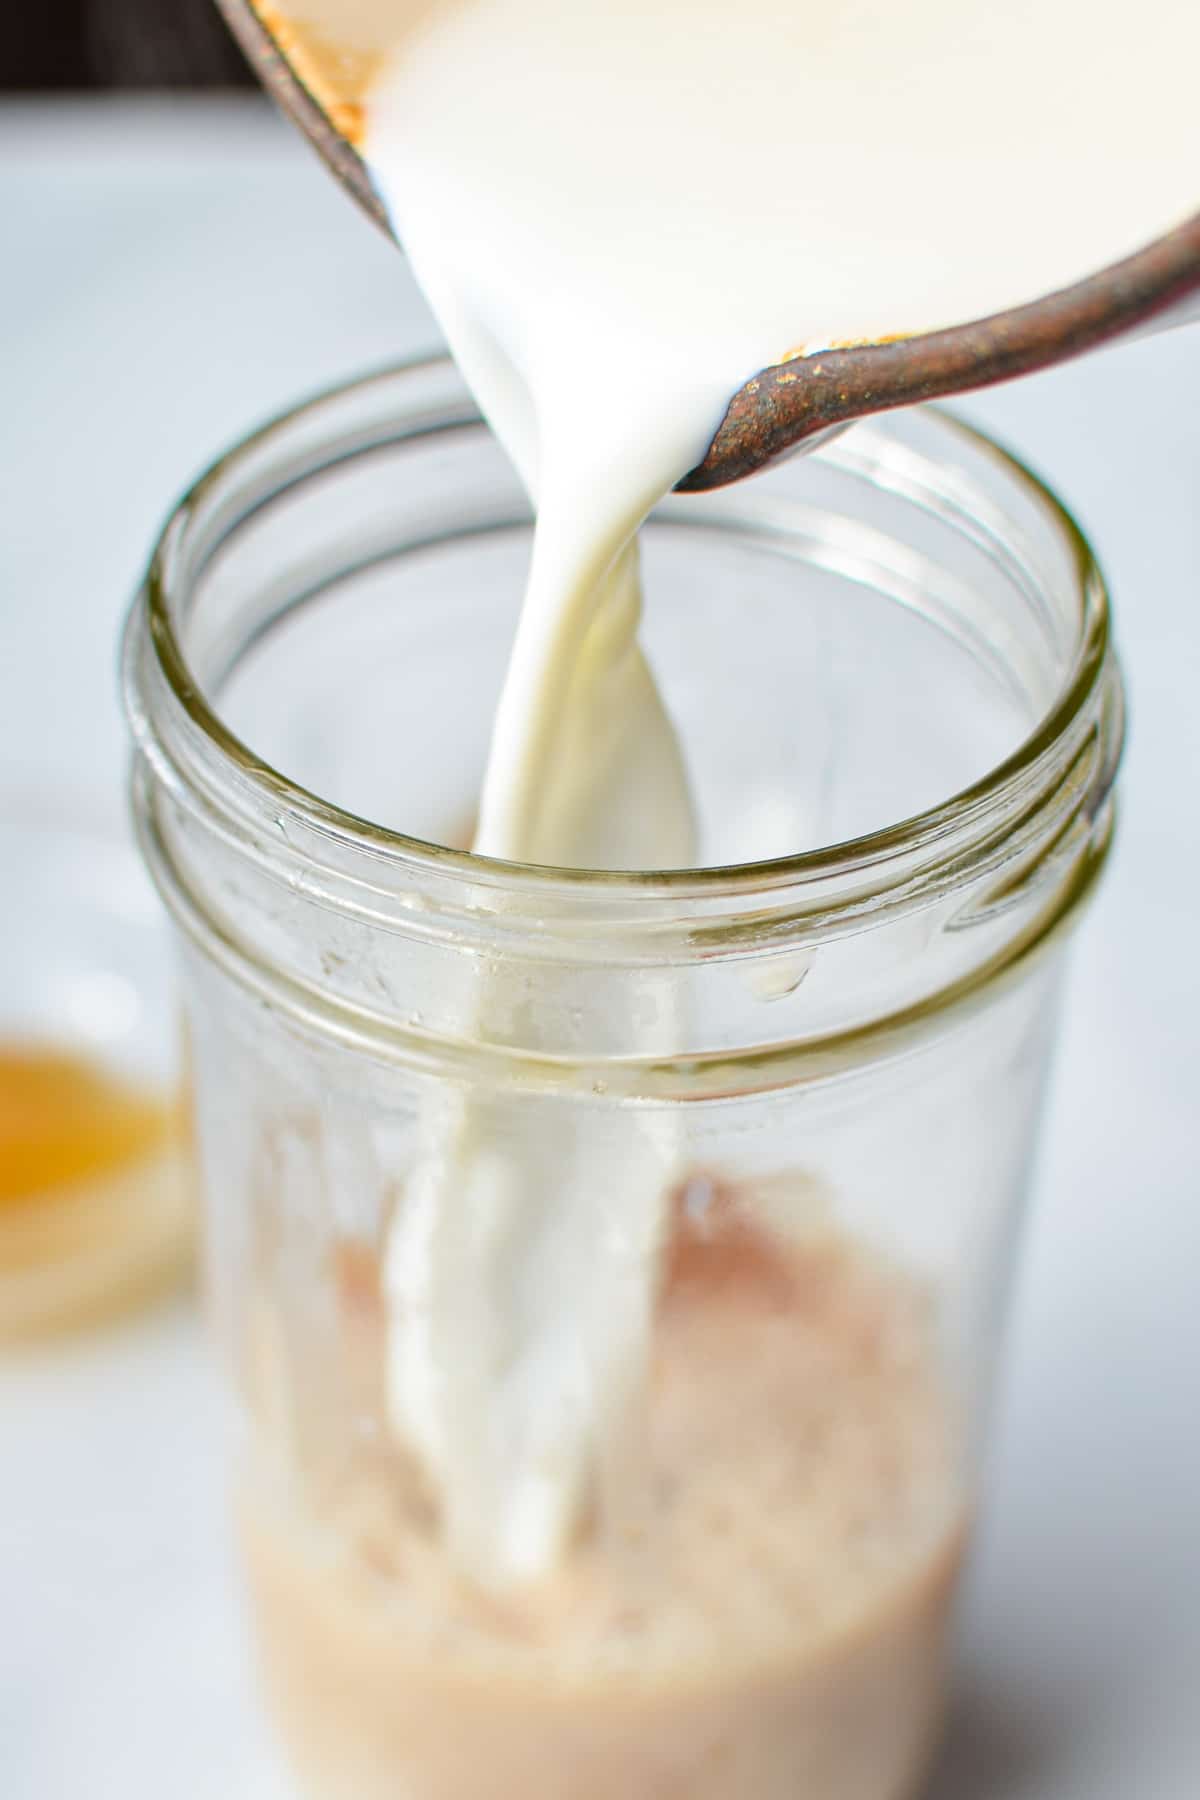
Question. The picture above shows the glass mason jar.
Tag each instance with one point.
(689, 1196)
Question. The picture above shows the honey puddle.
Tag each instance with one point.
(94, 1206)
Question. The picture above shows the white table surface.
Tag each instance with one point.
(171, 274)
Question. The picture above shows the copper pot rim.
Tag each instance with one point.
(793, 400)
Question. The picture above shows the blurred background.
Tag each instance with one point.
(177, 269)
(118, 43)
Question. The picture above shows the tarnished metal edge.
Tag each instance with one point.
(280, 80)
(792, 401)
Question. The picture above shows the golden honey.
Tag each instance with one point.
(93, 1203)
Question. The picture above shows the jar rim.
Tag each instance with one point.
(894, 844)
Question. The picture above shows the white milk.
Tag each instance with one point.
(621, 210)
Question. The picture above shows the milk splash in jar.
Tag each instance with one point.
(620, 213)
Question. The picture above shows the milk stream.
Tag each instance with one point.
(620, 211)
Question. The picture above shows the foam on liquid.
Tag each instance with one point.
(621, 211)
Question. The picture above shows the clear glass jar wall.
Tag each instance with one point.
(890, 666)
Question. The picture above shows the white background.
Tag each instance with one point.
(169, 276)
